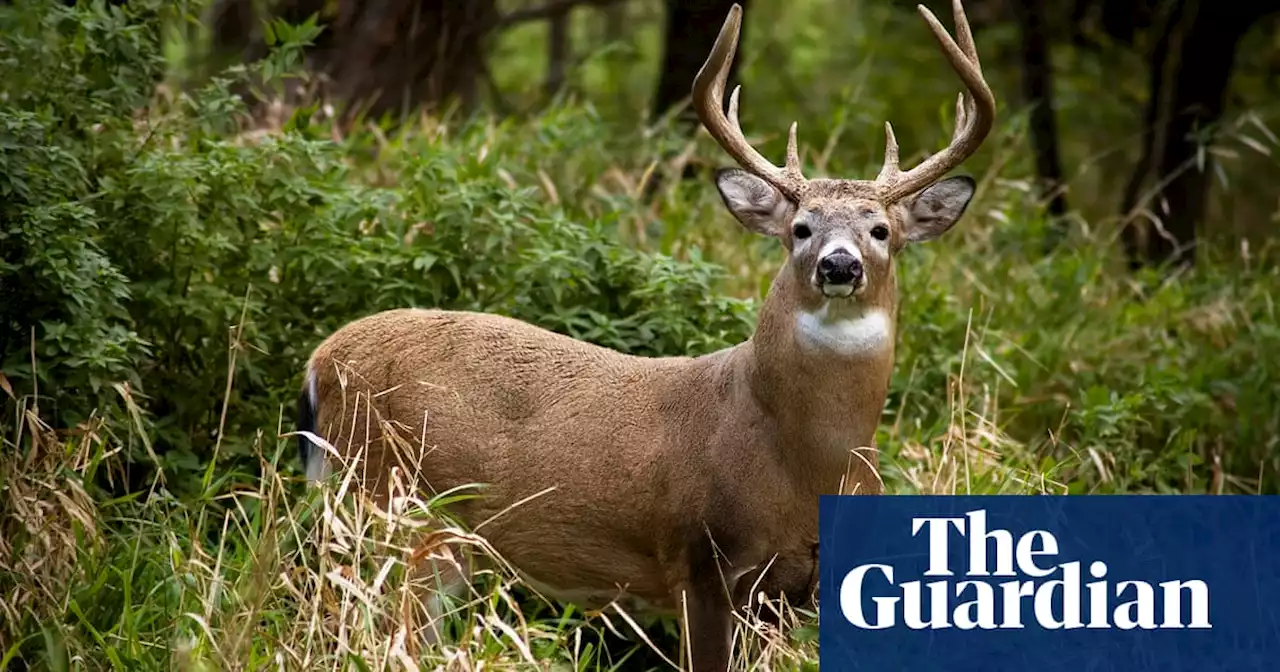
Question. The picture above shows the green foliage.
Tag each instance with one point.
(1106, 381)
(150, 246)
(72, 79)
(135, 241)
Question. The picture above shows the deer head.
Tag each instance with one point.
(841, 235)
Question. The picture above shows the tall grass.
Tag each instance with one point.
(256, 574)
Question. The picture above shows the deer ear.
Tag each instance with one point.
(758, 205)
(936, 209)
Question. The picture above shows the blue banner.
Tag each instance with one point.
(1049, 583)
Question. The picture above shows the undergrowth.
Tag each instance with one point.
(164, 273)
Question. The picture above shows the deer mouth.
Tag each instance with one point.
(843, 290)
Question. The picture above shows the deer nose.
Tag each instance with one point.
(840, 268)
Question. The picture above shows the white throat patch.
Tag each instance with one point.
(845, 331)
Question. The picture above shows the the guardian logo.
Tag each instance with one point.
(1034, 589)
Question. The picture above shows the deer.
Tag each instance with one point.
(678, 486)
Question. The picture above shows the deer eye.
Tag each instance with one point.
(880, 232)
(801, 231)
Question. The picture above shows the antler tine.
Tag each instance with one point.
(964, 35)
(733, 109)
(975, 112)
(890, 169)
(962, 117)
(964, 40)
(793, 152)
(708, 101)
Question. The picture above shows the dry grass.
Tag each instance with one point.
(264, 573)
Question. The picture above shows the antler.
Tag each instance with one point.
(708, 100)
(975, 114)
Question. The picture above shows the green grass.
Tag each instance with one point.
(163, 524)
(1016, 374)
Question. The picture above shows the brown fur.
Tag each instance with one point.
(654, 462)
(672, 482)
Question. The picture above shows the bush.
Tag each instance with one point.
(1067, 373)
(167, 272)
(144, 247)
(72, 80)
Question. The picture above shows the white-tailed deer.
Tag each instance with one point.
(670, 483)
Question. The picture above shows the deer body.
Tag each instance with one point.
(651, 459)
(679, 485)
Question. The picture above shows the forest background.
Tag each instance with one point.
(193, 195)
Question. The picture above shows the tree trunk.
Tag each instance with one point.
(1037, 90)
(1196, 103)
(1120, 21)
(691, 30)
(615, 32)
(379, 56)
(615, 22)
(1155, 123)
(557, 52)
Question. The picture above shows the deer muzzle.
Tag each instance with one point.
(840, 274)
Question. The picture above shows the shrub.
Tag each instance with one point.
(140, 245)
(167, 274)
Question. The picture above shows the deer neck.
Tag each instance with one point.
(820, 368)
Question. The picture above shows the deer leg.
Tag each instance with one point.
(793, 574)
(438, 574)
(708, 628)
